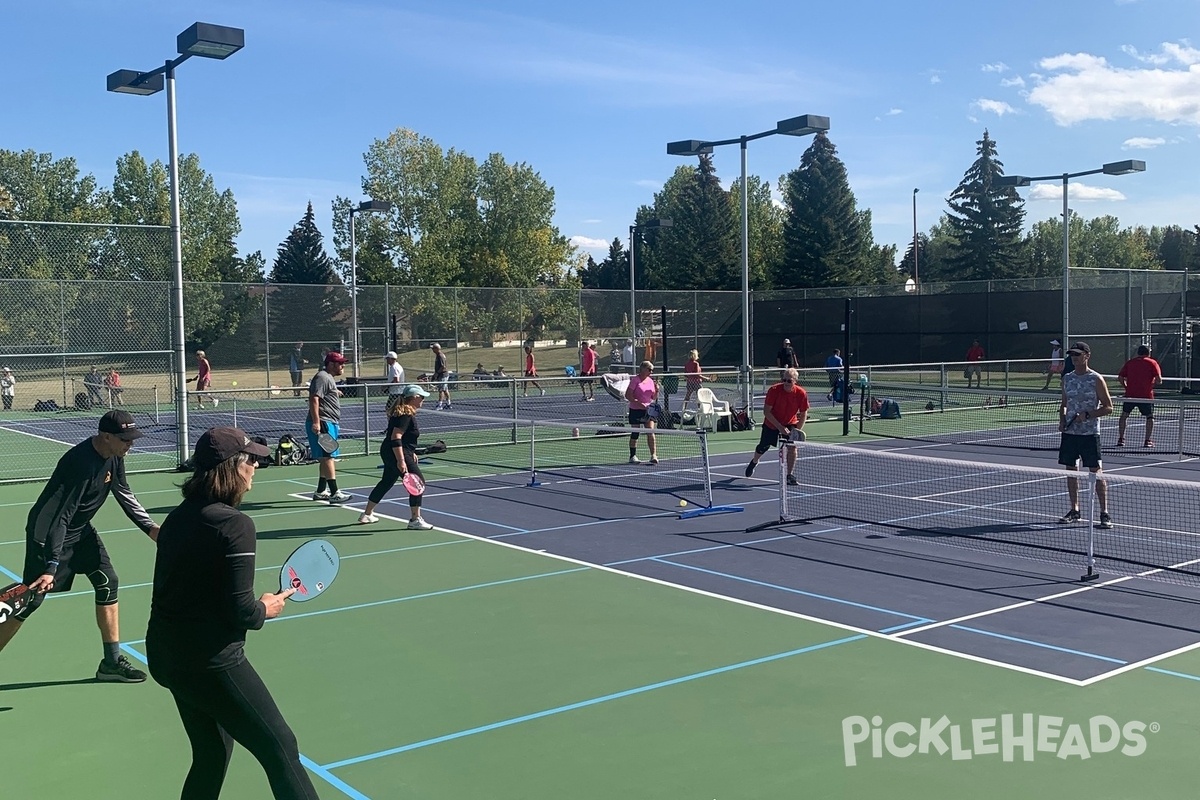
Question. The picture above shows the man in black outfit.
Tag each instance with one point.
(203, 605)
(61, 543)
(786, 357)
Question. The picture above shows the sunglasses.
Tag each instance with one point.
(787, 380)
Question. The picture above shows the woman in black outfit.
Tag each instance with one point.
(398, 452)
(202, 607)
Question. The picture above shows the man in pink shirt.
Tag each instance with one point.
(1139, 376)
(587, 369)
(641, 393)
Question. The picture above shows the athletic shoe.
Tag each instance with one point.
(120, 672)
(1105, 520)
(750, 469)
(339, 498)
(591, 399)
(1149, 443)
(543, 392)
(1069, 517)
(321, 496)
(653, 460)
(791, 481)
(438, 407)
(419, 524)
(448, 406)
(367, 519)
(1120, 442)
(216, 402)
(634, 460)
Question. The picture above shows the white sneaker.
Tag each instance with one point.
(653, 460)
(216, 402)
(321, 496)
(634, 460)
(419, 524)
(340, 497)
(367, 519)
(438, 407)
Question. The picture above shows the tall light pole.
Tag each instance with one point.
(365, 207)
(796, 126)
(633, 229)
(916, 247)
(207, 41)
(1112, 168)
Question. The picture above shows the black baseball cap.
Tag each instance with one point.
(219, 444)
(121, 425)
(1080, 347)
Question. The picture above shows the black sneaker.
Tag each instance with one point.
(1105, 520)
(120, 672)
(1069, 517)
(750, 469)
(791, 481)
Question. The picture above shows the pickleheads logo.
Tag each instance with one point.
(1007, 736)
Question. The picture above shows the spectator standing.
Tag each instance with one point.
(587, 371)
(693, 375)
(61, 542)
(627, 353)
(785, 409)
(203, 605)
(94, 382)
(296, 362)
(1056, 362)
(8, 387)
(112, 382)
(1085, 399)
(324, 416)
(393, 373)
(1139, 376)
(530, 373)
(974, 369)
(641, 393)
(441, 377)
(786, 357)
(399, 453)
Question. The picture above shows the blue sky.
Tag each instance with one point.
(589, 94)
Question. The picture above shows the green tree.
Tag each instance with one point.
(1176, 247)
(701, 249)
(937, 249)
(986, 220)
(765, 223)
(611, 273)
(311, 303)
(823, 238)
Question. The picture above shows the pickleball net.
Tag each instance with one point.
(1026, 421)
(999, 509)
(596, 457)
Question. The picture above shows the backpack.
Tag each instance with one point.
(889, 409)
(290, 451)
(741, 420)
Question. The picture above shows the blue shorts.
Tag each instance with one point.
(315, 449)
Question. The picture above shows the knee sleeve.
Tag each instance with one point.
(105, 583)
(633, 437)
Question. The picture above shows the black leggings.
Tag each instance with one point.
(391, 474)
(234, 705)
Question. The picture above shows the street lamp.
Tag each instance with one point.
(803, 125)
(916, 276)
(365, 207)
(1113, 168)
(206, 41)
(665, 222)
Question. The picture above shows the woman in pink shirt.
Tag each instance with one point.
(530, 372)
(641, 393)
(587, 371)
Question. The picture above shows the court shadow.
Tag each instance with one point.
(341, 531)
(5, 708)
(10, 687)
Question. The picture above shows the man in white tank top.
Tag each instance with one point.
(1085, 399)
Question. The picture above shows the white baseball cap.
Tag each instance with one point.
(390, 354)
(1055, 341)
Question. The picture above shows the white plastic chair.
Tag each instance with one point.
(710, 410)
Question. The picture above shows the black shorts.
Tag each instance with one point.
(83, 557)
(1076, 448)
(768, 438)
(1146, 409)
(639, 416)
(587, 377)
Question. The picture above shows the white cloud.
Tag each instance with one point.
(588, 243)
(592, 221)
(894, 111)
(1087, 87)
(935, 76)
(999, 66)
(1015, 80)
(1080, 192)
(997, 107)
(1143, 143)
(648, 184)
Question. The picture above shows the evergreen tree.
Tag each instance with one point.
(302, 257)
(986, 221)
(611, 273)
(701, 249)
(911, 266)
(318, 312)
(1176, 248)
(823, 239)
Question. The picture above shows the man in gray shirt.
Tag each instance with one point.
(324, 414)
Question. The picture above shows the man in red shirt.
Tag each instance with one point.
(974, 356)
(587, 371)
(784, 410)
(1139, 376)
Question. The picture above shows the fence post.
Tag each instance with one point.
(62, 322)
(267, 327)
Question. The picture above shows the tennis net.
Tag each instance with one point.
(999, 509)
(1027, 421)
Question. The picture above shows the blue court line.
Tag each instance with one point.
(14, 576)
(902, 626)
(1044, 645)
(586, 703)
(793, 591)
(1173, 673)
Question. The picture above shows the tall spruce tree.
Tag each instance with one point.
(985, 221)
(823, 239)
(319, 312)
(700, 250)
(611, 273)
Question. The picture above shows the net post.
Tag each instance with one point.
(234, 400)
(1091, 573)
(705, 465)
(365, 389)
(533, 479)
(512, 386)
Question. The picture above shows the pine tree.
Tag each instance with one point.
(823, 239)
(986, 221)
(611, 273)
(701, 249)
(302, 257)
(312, 304)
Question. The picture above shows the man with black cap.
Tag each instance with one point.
(1085, 399)
(60, 541)
(786, 357)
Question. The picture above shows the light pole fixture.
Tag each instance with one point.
(664, 222)
(207, 41)
(916, 276)
(365, 207)
(1112, 168)
(804, 125)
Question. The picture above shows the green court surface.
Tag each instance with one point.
(447, 667)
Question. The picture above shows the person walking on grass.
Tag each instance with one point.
(1139, 376)
(399, 454)
(8, 388)
(324, 416)
(587, 371)
(641, 393)
(1085, 399)
(203, 604)
(61, 542)
(785, 409)
(530, 373)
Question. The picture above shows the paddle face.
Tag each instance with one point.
(797, 435)
(310, 569)
(13, 598)
(413, 483)
(328, 443)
